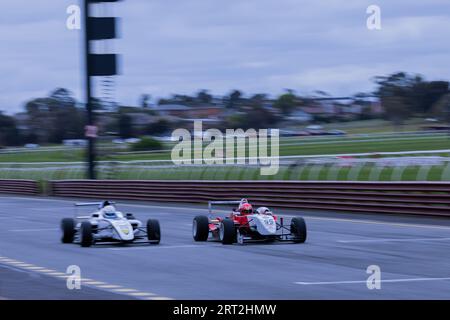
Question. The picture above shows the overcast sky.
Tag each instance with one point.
(179, 46)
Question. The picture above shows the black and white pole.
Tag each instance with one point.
(90, 116)
(96, 28)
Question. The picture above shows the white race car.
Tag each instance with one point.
(107, 225)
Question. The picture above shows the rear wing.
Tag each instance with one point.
(210, 204)
(89, 204)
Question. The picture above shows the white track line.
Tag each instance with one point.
(394, 240)
(109, 286)
(365, 281)
(22, 266)
(142, 294)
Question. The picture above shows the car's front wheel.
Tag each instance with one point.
(68, 230)
(153, 231)
(86, 237)
(200, 228)
(298, 230)
(227, 232)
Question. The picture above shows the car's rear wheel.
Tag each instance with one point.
(227, 232)
(200, 228)
(298, 229)
(86, 237)
(153, 230)
(68, 230)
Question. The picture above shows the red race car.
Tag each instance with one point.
(245, 224)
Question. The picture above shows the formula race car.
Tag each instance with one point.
(107, 225)
(245, 224)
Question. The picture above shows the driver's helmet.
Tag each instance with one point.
(263, 210)
(241, 203)
(246, 208)
(109, 212)
(104, 204)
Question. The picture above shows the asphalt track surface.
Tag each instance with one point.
(413, 254)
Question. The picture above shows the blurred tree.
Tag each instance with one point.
(161, 126)
(403, 95)
(204, 97)
(30, 138)
(441, 109)
(9, 134)
(395, 92)
(98, 104)
(145, 100)
(397, 109)
(55, 118)
(68, 123)
(426, 94)
(63, 97)
(258, 99)
(286, 103)
(125, 126)
(232, 100)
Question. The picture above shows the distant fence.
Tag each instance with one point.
(421, 198)
(384, 166)
(25, 187)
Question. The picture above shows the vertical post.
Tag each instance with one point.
(90, 116)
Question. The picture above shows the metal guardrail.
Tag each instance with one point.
(419, 198)
(25, 187)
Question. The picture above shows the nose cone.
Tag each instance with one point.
(125, 230)
(266, 225)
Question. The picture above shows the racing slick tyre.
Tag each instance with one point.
(227, 232)
(86, 237)
(298, 230)
(200, 228)
(153, 231)
(68, 230)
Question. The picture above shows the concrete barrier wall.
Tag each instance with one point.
(421, 198)
(25, 187)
